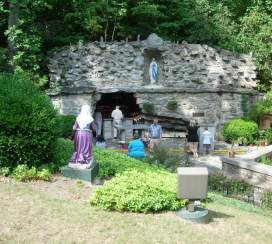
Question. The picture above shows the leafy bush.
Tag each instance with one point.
(27, 121)
(136, 191)
(261, 107)
(168, 158)
(265, 160)
(112, 163)
(240, 131)
(24, 173)
(136, 187)
(62, 151)
(4, 171)
(44, 174)
(148, 107)
(266, 200)
(266, 135)
(65, 124)
(172, 105)
(3, 58)
(235, 188)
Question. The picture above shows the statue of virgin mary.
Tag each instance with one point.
(153, 71)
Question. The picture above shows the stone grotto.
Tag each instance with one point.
(193, 82)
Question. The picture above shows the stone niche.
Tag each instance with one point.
(207, 84)
(149, 54)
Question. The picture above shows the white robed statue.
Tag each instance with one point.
(153, 71)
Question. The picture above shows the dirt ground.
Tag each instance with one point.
(59, 212)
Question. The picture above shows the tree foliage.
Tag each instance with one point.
(261, 107)
(43, 25)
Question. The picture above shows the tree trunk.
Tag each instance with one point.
(107, 23)
(106, 31)
(13, 18)
(113, 32)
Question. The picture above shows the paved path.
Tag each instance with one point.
(212, 162)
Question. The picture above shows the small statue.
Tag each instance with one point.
(84, 127)
(153, 71)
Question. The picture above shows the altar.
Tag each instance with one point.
(126, 130)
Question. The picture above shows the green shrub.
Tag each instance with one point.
(62, 151)
(172, 105)
(168, 158)
(240, 131)
(3, 59)
(266, 200)
(65, 124)
(112, 163)
(136, 187)
(44, 174)
(261, 107)
(148, 108)
(24, 173)
(27, 122)
(234, 188)
(4, 171)
(266, 135)
(265, 160)
(136, 191)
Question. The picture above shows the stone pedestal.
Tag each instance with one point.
(81, 174)
(192, 183)
(199, 215)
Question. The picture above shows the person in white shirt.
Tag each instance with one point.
(117, 116)
(207, 140)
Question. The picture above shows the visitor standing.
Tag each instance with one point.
(207, 140)
(136, 147)
(192, 137)
(155, 134)
(117, 116)
(84, 127)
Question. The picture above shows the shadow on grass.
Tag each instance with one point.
(218, 215)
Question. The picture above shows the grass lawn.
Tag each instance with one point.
(58, 212)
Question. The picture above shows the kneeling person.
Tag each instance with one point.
(136, 147)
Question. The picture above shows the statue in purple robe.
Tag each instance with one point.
(84, 126)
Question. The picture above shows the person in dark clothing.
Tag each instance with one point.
(192, 137)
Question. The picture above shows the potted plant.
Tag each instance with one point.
(148, 107)
(172, 105)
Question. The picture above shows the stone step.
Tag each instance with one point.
(87, 175)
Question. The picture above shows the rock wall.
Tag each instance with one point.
(207, 108)
(203, 80)
(120, 64)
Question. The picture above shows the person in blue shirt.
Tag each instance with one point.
(136, 147)
(155, 134)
